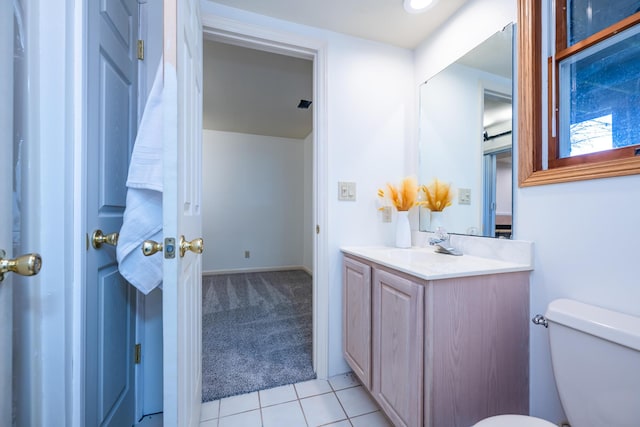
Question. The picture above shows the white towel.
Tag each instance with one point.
(143, 213)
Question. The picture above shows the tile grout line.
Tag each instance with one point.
(304, 415)
(260, 409)
(348, 419)
(306, 421)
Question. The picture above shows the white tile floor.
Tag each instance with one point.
(339, 402)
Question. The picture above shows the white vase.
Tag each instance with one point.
(436, 220)
(403, 230)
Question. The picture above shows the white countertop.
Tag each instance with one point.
(425, 263)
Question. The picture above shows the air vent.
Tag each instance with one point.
(304, 104)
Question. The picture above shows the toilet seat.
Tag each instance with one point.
(513, 421)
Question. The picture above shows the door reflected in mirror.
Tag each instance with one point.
(497, 176)
(466, 138)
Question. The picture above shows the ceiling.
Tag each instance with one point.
(385, 21)
(256, 92)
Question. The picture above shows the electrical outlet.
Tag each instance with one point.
(347, 191)
(464, 196)
(247, 254)
(386, 214)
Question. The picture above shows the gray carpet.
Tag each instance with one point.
(256, 332)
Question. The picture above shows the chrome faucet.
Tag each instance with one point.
(441, 236)
(442, 244)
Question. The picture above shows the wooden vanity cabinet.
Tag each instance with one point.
(438, 353)
(356, 318)
(398, 342)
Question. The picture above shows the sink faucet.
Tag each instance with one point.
(441, 235)
(442, 244)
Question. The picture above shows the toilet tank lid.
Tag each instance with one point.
(620, 328)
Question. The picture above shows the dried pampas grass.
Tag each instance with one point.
(403, 197)
(438, 195)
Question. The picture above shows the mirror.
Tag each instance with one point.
(465, 138)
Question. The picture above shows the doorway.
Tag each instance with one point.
(497, 169)
(221, 30)
(256, 205)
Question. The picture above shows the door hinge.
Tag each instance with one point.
(140, 50)
(317, 229)
(137, 353)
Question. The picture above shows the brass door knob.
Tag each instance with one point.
(98, 238)
(150, 247)
(195, 246)
(25, 265)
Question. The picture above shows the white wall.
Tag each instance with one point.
(572, 225)
(370, 125)
(254, 200)
(371, 121)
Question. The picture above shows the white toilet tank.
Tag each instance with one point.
(596, 362)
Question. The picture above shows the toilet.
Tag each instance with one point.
(514, 421)
(595, 355)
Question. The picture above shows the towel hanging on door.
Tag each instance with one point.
(143, 213)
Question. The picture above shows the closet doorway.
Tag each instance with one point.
(258, 197)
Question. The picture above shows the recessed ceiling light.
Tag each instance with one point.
(418, 6)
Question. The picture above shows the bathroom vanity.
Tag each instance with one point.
(438, 340)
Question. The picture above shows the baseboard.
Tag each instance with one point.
(257, 270)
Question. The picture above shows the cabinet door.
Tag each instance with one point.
(356, 318)
(398, 325)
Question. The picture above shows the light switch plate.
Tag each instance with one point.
(347, 191)
(464, 196)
